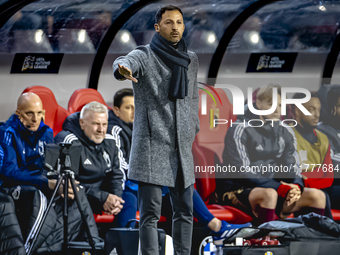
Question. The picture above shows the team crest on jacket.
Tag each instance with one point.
(207, 246)
(107, 159)
(303, 155)
(41, 148)
(16, 193)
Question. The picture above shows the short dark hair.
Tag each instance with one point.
(333, 96)
(119, 96)
(160, 12)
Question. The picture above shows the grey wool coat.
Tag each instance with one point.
(159, 121)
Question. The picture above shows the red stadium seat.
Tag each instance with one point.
(81, 97)
(208, 143)
(229, 214)
(105, 218)
(54, 113)
(162, 219)
(210, 140)
(336, 214)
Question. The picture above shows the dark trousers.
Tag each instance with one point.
(11, 240)
(150, 203)
(334, 196)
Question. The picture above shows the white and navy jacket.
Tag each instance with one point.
(120, 129)
(101, 168)
(262, 156)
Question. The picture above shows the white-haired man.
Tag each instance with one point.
(100, 170)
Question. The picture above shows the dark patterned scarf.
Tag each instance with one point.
(177, 60)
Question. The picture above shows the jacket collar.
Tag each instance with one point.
(27, 135)
(115, 120)
(16, 124)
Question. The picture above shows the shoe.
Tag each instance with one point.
(226, 231)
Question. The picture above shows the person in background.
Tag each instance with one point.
(120, 124)
(164, 75)
(100, 171)
(331, 128)
(267, 193)
(314, 149)
(22, 175)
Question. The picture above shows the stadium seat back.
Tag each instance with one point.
(209, 142)
(81, 97)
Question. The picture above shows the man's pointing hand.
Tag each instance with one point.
(126, 72)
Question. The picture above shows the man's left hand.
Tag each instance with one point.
(294, 194)
(116, 203)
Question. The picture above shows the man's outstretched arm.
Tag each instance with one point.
(132, 66)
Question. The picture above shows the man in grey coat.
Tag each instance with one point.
(166, 121)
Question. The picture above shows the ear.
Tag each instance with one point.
(116, 110)
(156, 27)
(17, 112)
(81, 123)
(43, 117)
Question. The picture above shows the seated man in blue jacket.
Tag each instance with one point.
(23, 138)
(120, 126)
(254, 151)
(101, 170)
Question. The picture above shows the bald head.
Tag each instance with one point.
(28, 98)
(30, 111)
